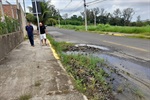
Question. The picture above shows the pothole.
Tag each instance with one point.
(125, 77)
(92, 46)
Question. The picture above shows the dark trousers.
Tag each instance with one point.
(31, 39)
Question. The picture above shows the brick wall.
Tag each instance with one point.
(8, 10)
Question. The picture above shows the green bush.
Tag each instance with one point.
(71, 22)
(10, 25)
(51, 22)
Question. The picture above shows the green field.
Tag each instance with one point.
(101, 28)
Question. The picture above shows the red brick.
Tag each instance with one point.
(8, 11)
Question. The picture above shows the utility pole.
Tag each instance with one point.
(85, 15)
(2, 11)
(24, 8)
(59, 18)
(37, 16)
(17, 3)
(94, 13)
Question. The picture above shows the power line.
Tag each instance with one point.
(66, 6)
(92, 1)
(96, 1)
(78, 8)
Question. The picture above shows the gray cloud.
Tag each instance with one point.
(141, 7)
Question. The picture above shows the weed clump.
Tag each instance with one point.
(25, 97)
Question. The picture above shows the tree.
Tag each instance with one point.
(47, 11)
(89, 15)
(117, 13)
(139, 23)
(103, 17)
(51, 22)
(65, 16)
(102, 12)
(115, 18)
(80, 18)
(127, 15)
(74, 17)
(138, 18)
(95, 13)
(31, 18)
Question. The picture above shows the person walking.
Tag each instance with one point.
(29, 29)
(43, 33)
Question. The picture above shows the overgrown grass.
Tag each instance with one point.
(89, 77)
(145, 30)
(59, 46)
(37, 84)
(25, 97)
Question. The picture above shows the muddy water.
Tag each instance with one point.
(129, 80)
(137, 70)
(134, 79)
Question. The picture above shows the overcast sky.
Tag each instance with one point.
(141, 7)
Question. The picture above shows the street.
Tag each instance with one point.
(130, 56)
(137, 48)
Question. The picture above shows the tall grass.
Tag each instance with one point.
(107, 28)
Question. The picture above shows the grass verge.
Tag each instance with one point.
(136, 32)
(89, 77)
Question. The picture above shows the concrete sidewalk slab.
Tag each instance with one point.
(33, 71)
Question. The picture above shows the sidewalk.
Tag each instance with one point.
(34, 72)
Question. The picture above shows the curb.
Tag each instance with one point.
(53, 50)
(116, 34)
(124, 35)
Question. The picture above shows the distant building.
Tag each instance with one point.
(8, 10)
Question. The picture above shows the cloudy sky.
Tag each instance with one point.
(141, 7)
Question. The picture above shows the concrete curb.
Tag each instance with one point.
(124, 35)
(116, 34)
(53, 50)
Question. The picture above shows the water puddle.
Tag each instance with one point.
(92, 46)
(129, 80)
(133, 79)
(128, 66)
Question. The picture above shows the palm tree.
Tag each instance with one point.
(47, 11)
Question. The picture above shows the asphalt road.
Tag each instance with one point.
(137, 48)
